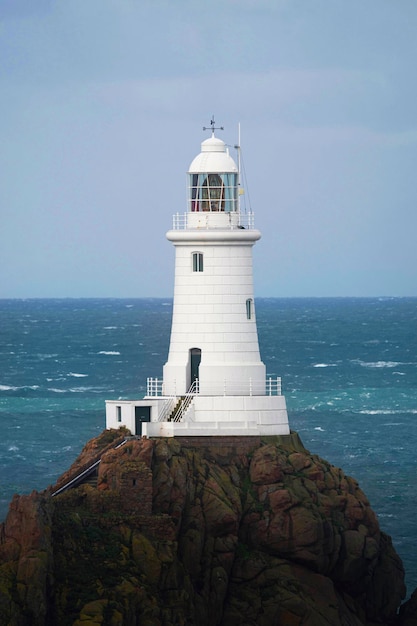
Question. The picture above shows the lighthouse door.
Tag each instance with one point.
(142, 414)
(195, 354)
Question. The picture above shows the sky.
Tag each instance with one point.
(102, 109)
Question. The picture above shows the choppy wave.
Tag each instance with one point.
(325, 365)
(75, 375)
(21, 388)
(379, 364)
(388, 411)
(109, 352)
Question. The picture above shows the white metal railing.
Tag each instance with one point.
(269, 387)
(181, 221)
(154, 387)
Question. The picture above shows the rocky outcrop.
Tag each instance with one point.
(206, 531)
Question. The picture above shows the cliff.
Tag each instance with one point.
(204, 531)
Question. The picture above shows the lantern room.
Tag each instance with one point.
(213, 179)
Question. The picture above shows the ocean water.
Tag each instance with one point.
(349, 370)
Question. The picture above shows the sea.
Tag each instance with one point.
(348, 368)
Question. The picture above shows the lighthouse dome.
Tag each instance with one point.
(214, 157)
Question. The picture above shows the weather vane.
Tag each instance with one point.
(213, 127)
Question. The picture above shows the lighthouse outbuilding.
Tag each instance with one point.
(214, 381)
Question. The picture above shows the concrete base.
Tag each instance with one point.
(211, 429)
(206, 416)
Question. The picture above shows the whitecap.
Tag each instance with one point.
(11, 388)
(319, 428)
(378, 364)
(13, 448)
(75, 375)
(110, 327)
(109, 352)
(55, 390)
(83, 389)
(325, 365)
(379, 412)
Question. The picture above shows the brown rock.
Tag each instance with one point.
(223, 532)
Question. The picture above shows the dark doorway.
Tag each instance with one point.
(142, 414)
(195, 364)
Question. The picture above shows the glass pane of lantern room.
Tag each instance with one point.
(215, 189)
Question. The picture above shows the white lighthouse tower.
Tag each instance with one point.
(214, 382)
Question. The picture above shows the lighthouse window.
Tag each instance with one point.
(197, 262)
(119, 413)
(249, 304)
(213, 192)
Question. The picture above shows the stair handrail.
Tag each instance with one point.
(89, 469)
(167, 408)
(186, 401)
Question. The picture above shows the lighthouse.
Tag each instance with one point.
(214, 381)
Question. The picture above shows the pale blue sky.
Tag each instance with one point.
(101, 112)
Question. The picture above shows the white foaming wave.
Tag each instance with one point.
(12, 388)
(75, 390)
(379, 364)
(109, 352)
(75, 375)
(388, 411)
(325, 365)
(83, 389)
(319, 428)
(110, 327)
(12, 448)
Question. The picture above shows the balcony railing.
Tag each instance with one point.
(269, 387)
(209, 219)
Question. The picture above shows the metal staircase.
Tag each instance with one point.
(184, 403)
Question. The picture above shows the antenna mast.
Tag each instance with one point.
(239, 188)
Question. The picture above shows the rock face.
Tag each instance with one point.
(201, 531)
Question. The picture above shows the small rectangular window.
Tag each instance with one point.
(119, 413)
(249, 308)
(197, 262)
